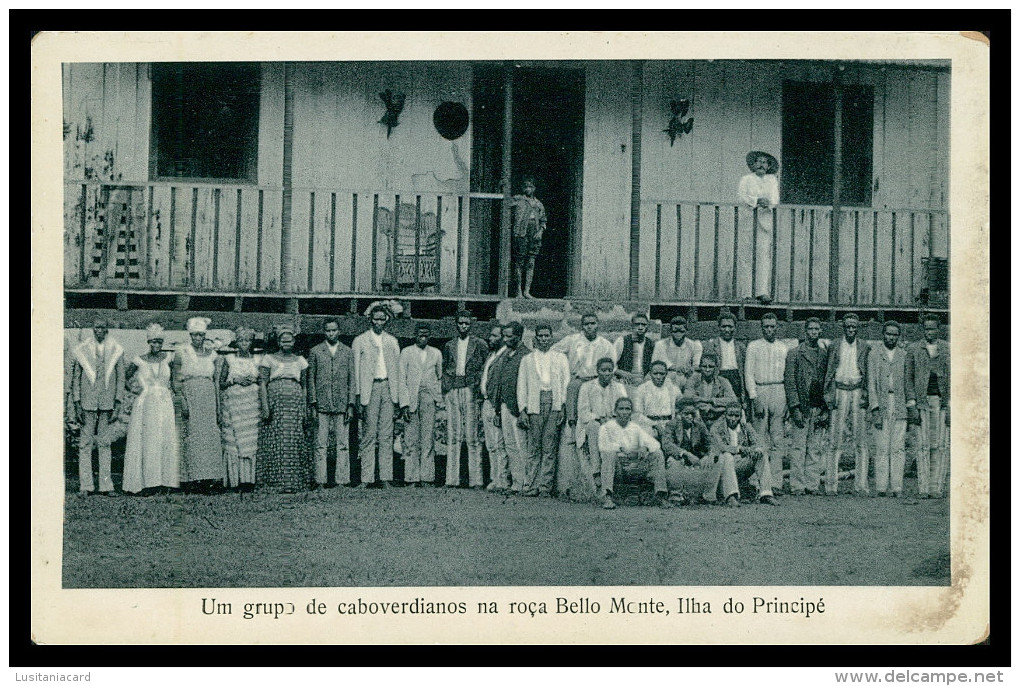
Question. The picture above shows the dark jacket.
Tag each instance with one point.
(920, 366)
(674, 439)
(626, 361)
(832, 364)
(493, 379)
(477, 354)
(747, 437)
(804, 378)
(330, 378)
(739, 351)
(506, 388)
(887, 382)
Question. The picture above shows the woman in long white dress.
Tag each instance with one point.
(152, 458)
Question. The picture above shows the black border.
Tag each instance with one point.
(993, 652)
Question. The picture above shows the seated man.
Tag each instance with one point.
(691, 462)
(626, 446)
(736, 440)
(712, 391)
(655, 398)
(595, 407)
(596, 402)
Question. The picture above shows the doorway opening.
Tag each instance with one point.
(809, 116)
(547, 142)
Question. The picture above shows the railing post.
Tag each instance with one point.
(636, 84)
(504, 217)
(286, 267)
(837, 186)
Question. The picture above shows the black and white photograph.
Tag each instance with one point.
(496, 322)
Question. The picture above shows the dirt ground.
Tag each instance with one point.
(461, 537)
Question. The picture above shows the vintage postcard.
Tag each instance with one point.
(636, 337)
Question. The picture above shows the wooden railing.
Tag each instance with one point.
(233, 238)
(706, 252)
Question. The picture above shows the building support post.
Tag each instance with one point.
(504, 216)
(637, 78)
(837, 186)
(286, 265)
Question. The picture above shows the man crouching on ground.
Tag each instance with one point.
(691, 462)
(738, 439)
(622, 442)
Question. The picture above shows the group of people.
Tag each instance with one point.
(702, 422)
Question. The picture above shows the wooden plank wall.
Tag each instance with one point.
(737, 107)
(686, 251)
(74, 239)
(605, 221)
(911, 140)
(107, 114)
(339, 144)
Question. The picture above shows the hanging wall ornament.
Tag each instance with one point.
(394, 106)
(677, 127)
(451, 120)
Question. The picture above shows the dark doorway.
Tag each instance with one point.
(486, 171)
(808, 143)
(548, 143)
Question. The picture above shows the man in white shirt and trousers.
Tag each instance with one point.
(541, 397)
(622, 441)
(377, 395)
(595, 405)
(764, 376)
(889, 396)
(759, 190)
(583, 351)
(421, 365)
(846, 394)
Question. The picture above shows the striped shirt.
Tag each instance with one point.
(765, 364)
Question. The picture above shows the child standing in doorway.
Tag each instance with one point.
(529, 222)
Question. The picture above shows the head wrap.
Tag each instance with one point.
(153, 332)
(284, 328)
(198, 324)
(244, 331)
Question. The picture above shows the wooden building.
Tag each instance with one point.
(297, 180)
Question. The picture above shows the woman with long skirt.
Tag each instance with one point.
(152, 459)
(240, 411)
(283, 462)
(202, 466)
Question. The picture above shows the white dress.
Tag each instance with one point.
(152, 457)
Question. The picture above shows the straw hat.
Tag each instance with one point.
(754, 154)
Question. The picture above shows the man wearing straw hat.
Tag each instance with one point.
(760, 191)
(377, 395)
